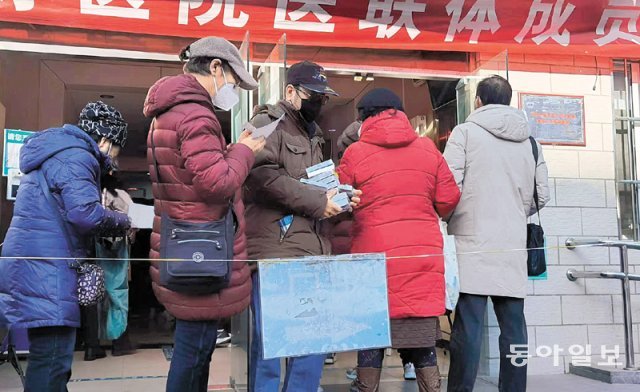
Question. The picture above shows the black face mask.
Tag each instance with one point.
(310, 109)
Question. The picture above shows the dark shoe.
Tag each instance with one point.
(123, 346)
(428, 379)
(120, 352)
(93, 353)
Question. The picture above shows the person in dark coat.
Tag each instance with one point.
(199, 176)
(38, 287)
(274, 192)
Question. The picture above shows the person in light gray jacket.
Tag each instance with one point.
(491, 157)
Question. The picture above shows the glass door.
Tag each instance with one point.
(272, 74)
(240, 113)
(626, 111)
(271, 81)
(466, 88)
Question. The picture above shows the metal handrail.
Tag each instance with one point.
(623, 275)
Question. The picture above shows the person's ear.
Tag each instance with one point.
(214, 65)
(478, 103)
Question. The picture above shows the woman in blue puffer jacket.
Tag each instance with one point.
(40, 294)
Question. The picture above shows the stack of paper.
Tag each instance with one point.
(323, 176)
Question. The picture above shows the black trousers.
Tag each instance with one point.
(466, 340)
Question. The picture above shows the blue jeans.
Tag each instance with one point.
(50, 359)
(302, 374)
(194, 342)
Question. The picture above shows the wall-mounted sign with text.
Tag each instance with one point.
(13, 141)
(555, 119)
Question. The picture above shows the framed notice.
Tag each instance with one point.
(321, 305)
(555, 119)
(13, 141)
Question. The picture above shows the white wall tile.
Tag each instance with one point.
(612, 194)
(564, 336)
(600, 222)
(598, 109)
(587, 309)
(562, 221)
(584, 256)
(557, 282)
(597, 164)
(580, 193)
(543, 310)
(562, 164)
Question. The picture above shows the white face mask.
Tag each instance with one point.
(226, 97)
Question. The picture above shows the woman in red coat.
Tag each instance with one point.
(198, 177)
(406, 186)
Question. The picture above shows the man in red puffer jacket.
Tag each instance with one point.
(199, 175)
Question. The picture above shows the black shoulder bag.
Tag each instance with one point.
(536, 261)
(205, 249)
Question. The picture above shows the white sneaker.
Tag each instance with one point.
(223, 337)
(409, 372)
(320, 389)
(352, 374)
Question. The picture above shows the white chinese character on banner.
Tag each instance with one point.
(558, 19)
(382, 22)
(22, 5)
(228, 18)
(482, 16)
(310, 6)
(613, 20)
(102, 8)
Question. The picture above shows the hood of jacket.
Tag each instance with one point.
(504, 122)
(388, 129)
(349, 136)
(43, 145)
(174, 90)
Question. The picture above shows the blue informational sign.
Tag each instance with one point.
(321, 305)
(13, 141)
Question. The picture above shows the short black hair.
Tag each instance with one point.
(494, 90)
(366, 112)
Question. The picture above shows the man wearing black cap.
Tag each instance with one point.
(284, 213)
(57, 212)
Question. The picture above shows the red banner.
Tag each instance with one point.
(593, 27)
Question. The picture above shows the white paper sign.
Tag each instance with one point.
(265, 131)
(141, 216)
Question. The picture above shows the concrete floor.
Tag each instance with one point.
(147, 369)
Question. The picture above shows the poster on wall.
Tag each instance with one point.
(320, 305)
(13, 141)
(555, 119)
(13, 183)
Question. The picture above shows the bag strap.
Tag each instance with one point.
(534, 148)
(56, 211)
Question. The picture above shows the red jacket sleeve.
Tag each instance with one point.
(218, 174)
(447, 194)
(345, 169)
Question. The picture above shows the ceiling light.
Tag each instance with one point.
(357, 77)
(370, 78)
(107, 96)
